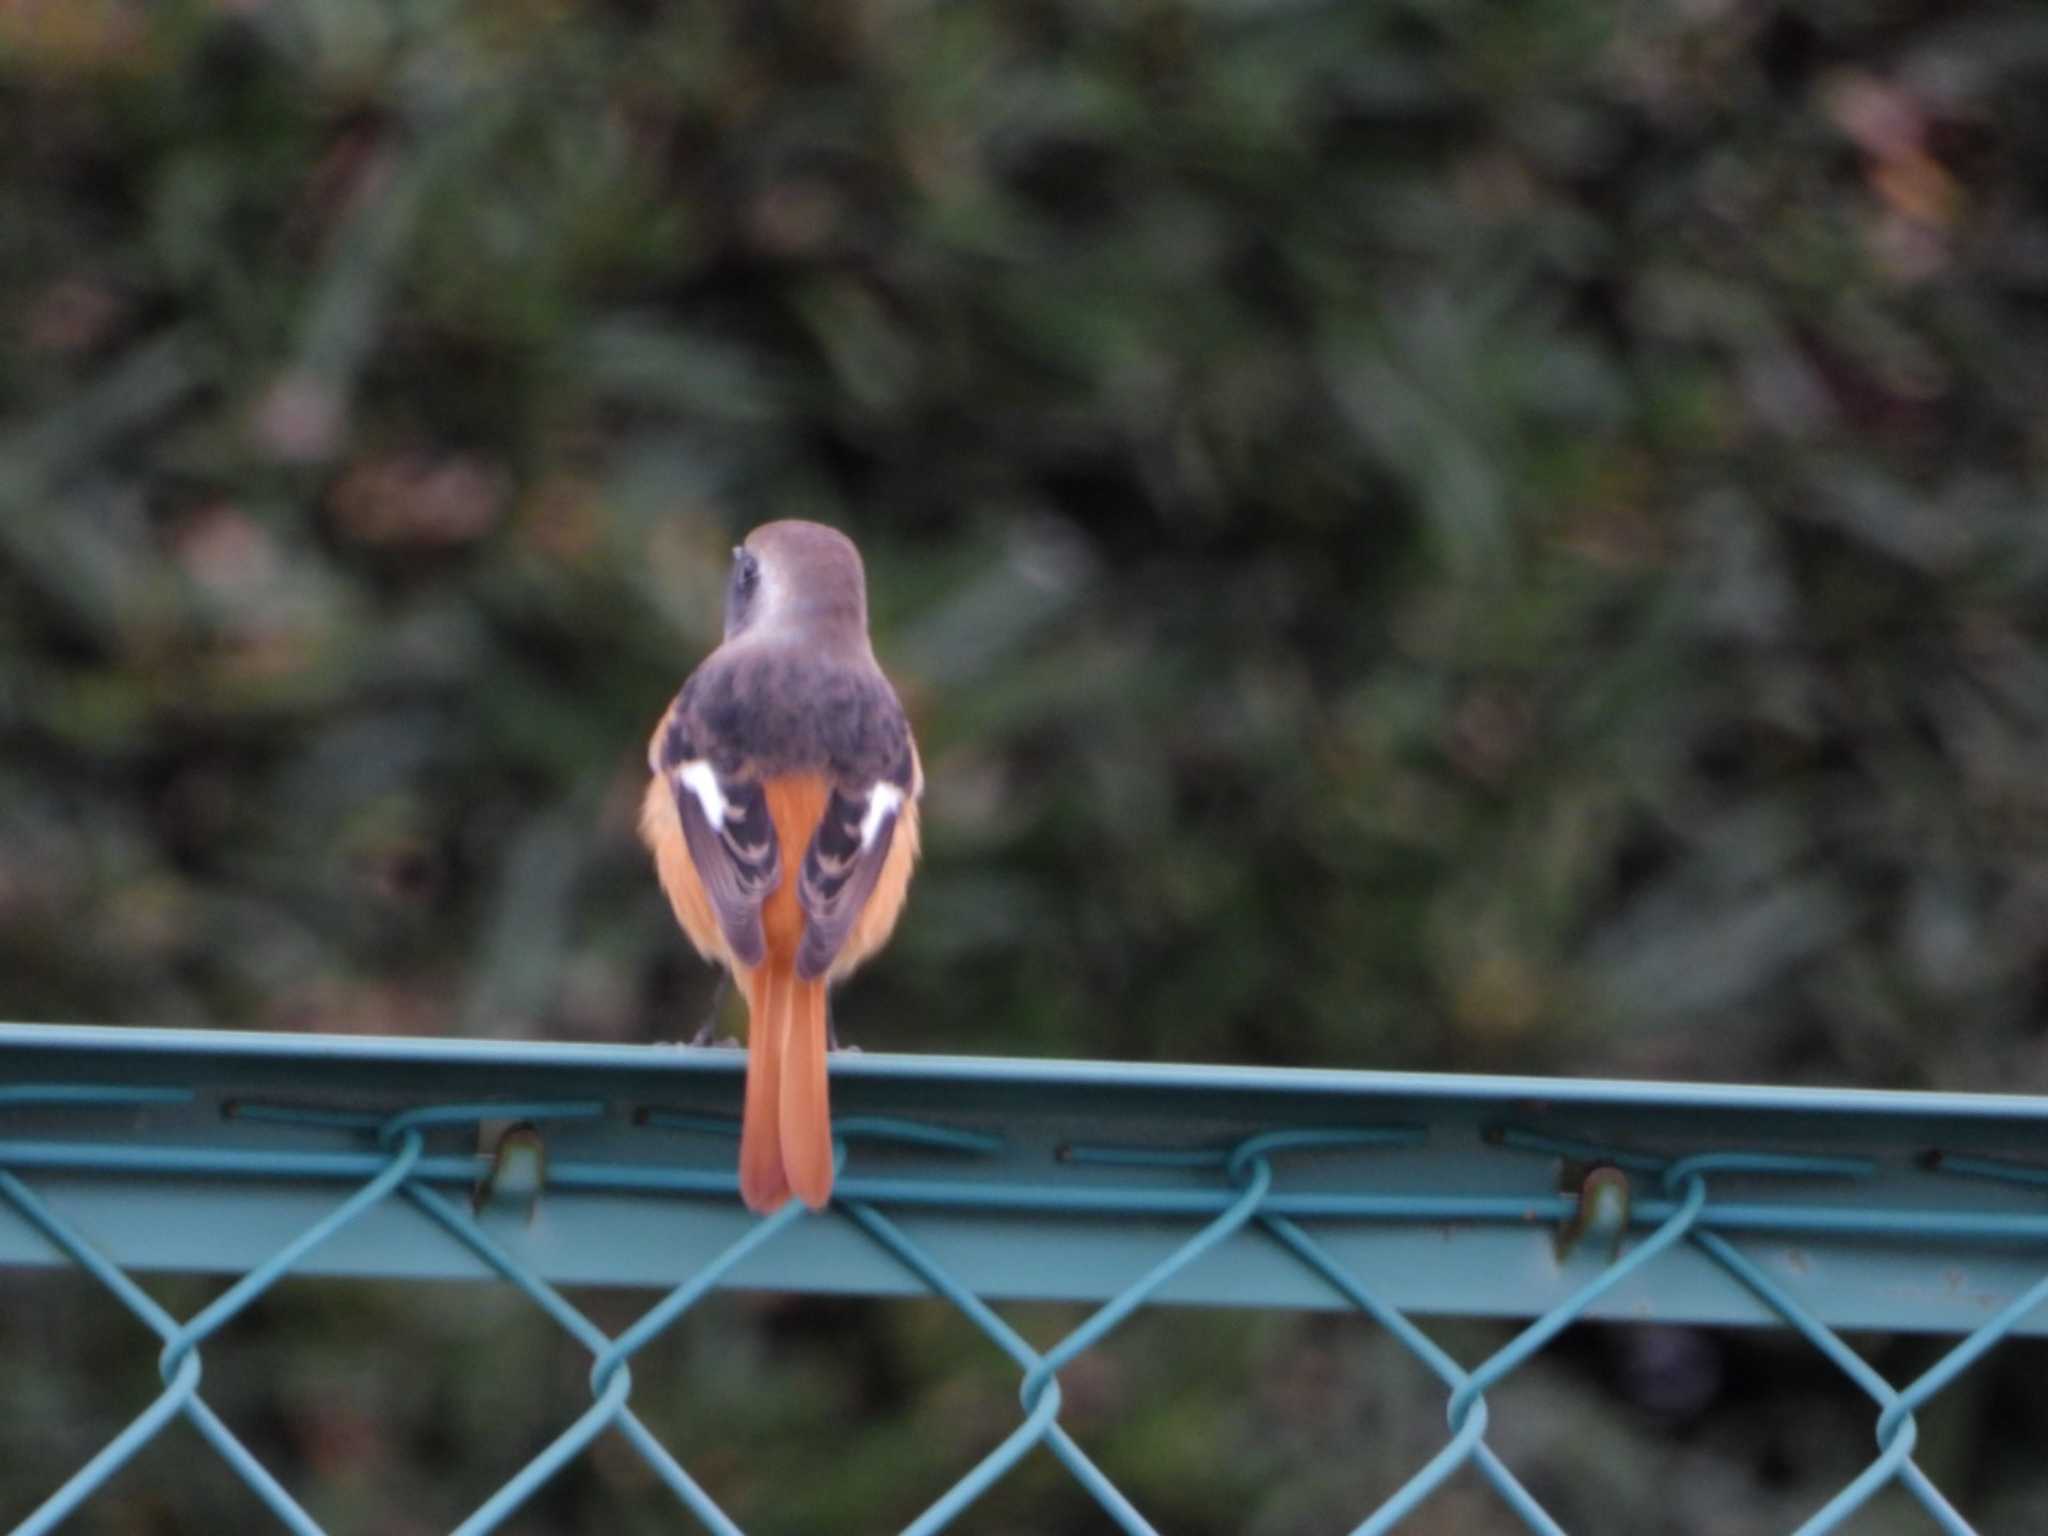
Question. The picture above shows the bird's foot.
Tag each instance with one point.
(832, 1040)
(707, 1032)
(709, 1038)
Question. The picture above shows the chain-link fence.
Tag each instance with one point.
(977, 1180)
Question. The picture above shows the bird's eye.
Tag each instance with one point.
(740, 590)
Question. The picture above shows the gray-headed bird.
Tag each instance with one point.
(783, 819)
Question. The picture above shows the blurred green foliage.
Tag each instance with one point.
(1422, 534)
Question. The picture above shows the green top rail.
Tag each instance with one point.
(199, 1150)
(970, 1180)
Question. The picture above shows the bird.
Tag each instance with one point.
(782, 813)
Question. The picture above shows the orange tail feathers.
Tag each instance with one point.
(786, 1141)
(806, 1107)
(786, 1137)
(763, 1184)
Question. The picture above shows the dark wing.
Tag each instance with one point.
(728, 831)
(840, 869)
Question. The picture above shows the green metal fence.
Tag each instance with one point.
(980, 1180)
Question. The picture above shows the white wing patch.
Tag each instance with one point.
(698, 778)
(883, 802)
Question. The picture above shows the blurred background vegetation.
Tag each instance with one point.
(1420, 534)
